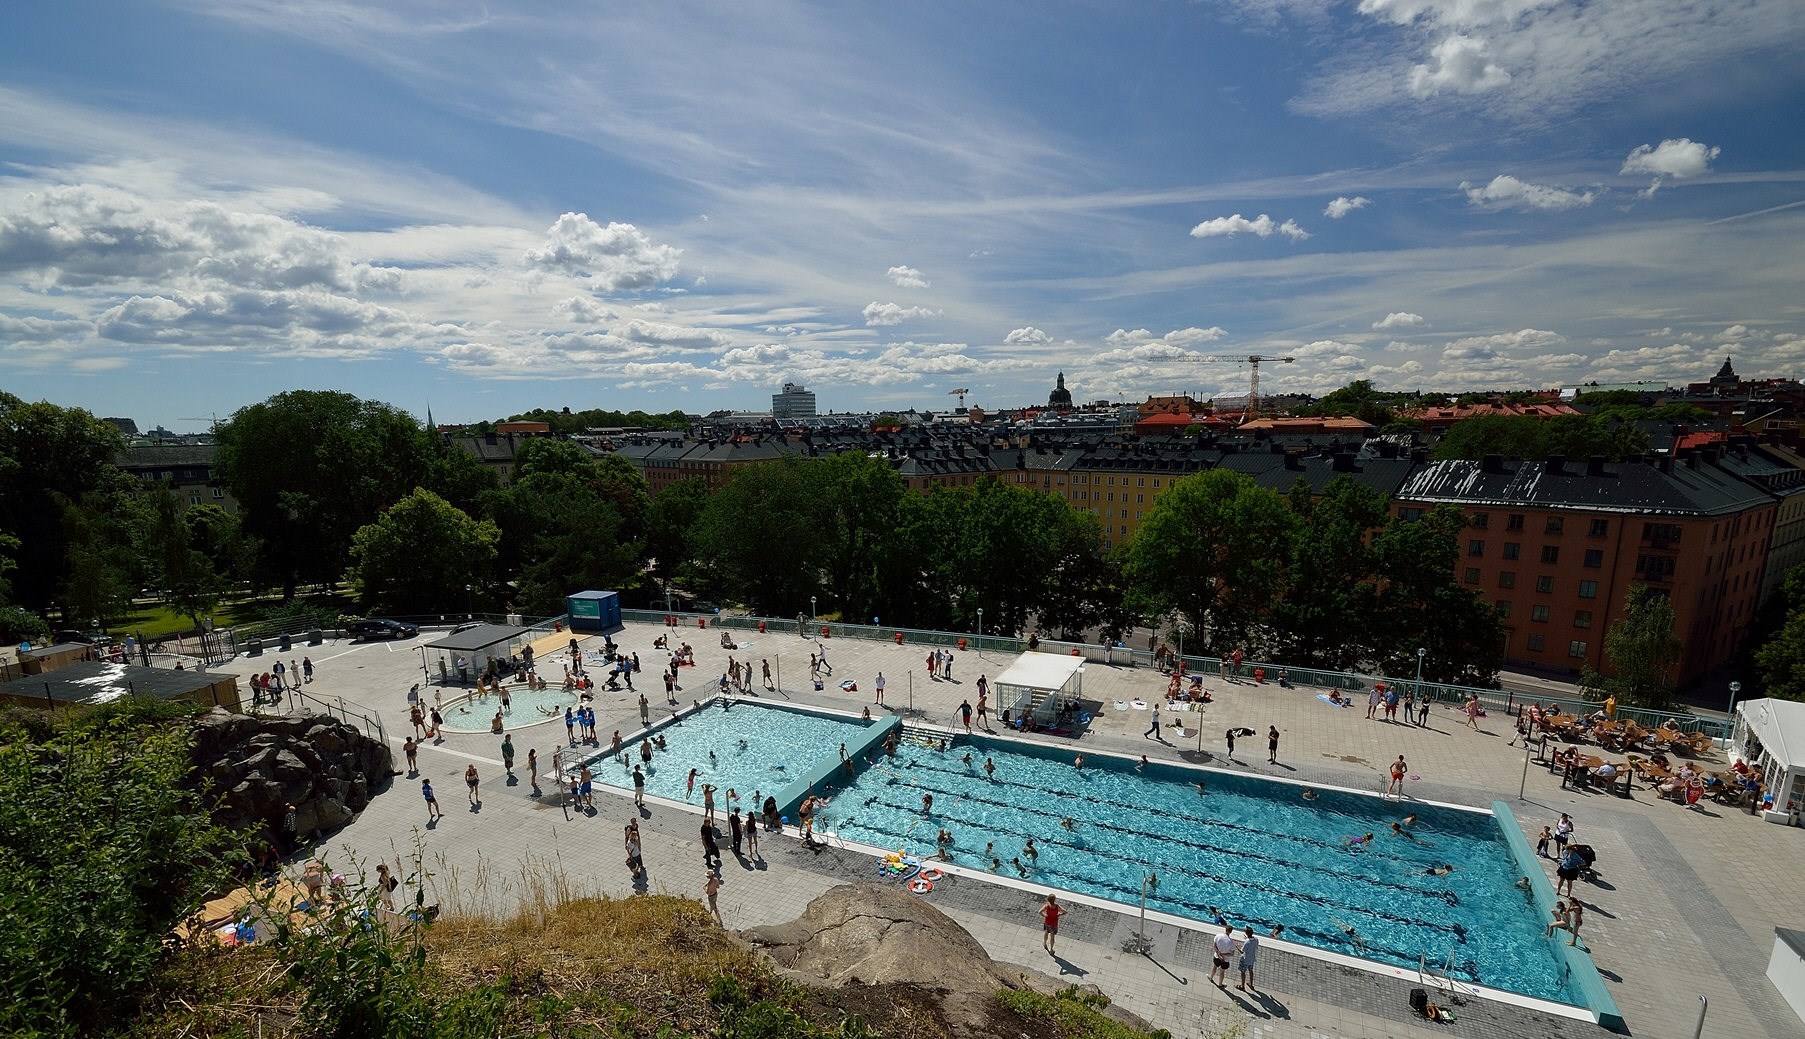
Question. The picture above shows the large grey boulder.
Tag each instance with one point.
(326, 769)
(875, 934)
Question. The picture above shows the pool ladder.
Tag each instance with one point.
(926, 735)
(1444, 982)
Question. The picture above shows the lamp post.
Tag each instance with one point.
(1730, 715)
(1420, 654)
(469, 597)
(980, 631)
(813, 615)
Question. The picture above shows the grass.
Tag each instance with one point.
(159, 621)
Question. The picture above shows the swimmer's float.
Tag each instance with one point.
(921, 885)
(931, 874)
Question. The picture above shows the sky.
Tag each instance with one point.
(490, 207)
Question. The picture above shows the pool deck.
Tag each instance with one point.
(1685, 905)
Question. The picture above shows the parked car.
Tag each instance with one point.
(380, 628)
(85, 638)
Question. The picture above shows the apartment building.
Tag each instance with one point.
(1558, 545)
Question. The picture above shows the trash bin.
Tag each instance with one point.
(287, 644)
(761, 627)
(961, 645)
(254, 648)
(825, 633)
(701, 622)
(316, 637)
(898, 637)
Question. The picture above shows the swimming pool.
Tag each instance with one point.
(1253, 849)
(526, 707)
(752, 749)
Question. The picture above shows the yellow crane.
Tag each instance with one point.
(1253, 362)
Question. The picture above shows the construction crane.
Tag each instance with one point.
(1253, 362)
(960, 393)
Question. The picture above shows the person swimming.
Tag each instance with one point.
(1019, 868)
(1410, 820)
(1030, 850)
(1355, 842)
(1309, 794)
(990, 767)
(1441, 870)
(1070, 825)
(966, 758)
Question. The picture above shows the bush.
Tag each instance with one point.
(18, 624)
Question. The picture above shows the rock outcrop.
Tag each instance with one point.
(874, 934)
(325, 768)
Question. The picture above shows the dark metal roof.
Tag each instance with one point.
(480, 637)
(1703, 489)
(97, 682)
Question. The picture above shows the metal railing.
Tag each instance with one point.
(1249, 670)
(301, 701)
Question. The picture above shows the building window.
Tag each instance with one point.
(1507, 578)
(1140, 499)
(1503, 606)
(1662, 533)
(1600, 528)
(1554, 525)
(1535, 643)
(1539, 614)
(1654, 568)
(1594, 558)
(194, 497)
(1515, 522)
(1472, 575)
(218, 493)
(1582, 618)
(1576, 650)
(1511, 548)
(1551, 553)
(1588, 589)
(1410, 515)
(1156, 483)
(1545, 585)
(1475, 548)
(1480, 520)
(1140, 481)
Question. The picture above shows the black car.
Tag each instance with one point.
(84, 638)
(379, 628)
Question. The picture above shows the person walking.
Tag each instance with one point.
(821, 659)
(1473, 712)
(983, 707)
(1563, 832)
(385, 886)
(1398, 771)
(532, 771)
(412, 750)
(416, 718)
(507, 755)
(765, 663)
(711, 852)
(965, 713)
(1153, 731)
(1272, 745)
(432, 801)
(1422, 712)
(946, 660)
(471, 780)
(1250, 950)
(438, 722)
(307, 669)
(1373, 697)
(639, 787)
(1050, 912)
(879, 684)
(712, 888)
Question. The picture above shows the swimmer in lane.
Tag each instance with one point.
(1309, 794)
(1070, 825)
(1441, 870)
(1029, 850)
(1357, 842)
(990, 767)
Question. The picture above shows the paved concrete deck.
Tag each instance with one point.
(1685, 906)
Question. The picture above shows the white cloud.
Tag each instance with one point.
(894, 313)
(1027, 336)
(1399, 319)
(1263, 226)
(907, 277)
(660, 333)
(1676, 157)
(1458, 64)
(612, 258)
(1452, 12)
(1485, 348)
(582, 309)
(1507, 192)
(1342, 205)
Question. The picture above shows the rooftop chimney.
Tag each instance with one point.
(1293, 462)
(1555, 466)
(1595, 465)
(1491, 464)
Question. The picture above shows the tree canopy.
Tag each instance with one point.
(421, 554)
(1641, 649)
(49, 456)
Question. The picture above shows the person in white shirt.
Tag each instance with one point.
(1250, 948)
(1225, 951)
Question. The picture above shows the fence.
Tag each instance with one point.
(367, 722)
(1116, 653)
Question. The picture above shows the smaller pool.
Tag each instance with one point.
(751, 749)
(525, 707)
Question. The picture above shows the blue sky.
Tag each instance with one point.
(507, 205)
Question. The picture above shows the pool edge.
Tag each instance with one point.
(1591, 985)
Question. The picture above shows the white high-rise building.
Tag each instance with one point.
(793, 403)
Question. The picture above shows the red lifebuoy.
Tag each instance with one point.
(921, 885)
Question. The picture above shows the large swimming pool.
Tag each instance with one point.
(1253, 850)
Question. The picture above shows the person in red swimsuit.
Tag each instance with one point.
(1049, 921)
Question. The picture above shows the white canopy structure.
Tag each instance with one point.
(1039, 685)
(1770, 735)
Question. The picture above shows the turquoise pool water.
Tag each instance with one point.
(1254, 850)
(526, 707)
(756, 749)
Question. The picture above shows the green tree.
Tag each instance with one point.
(1360, 400)
(1214, 549)
(567, 537)
(91, 885)
(458, 476)
(1000, 547)
(47, 451)
(557, 457)
(309, 468)
(105, 535)
(420, 554)
(1325, 617)
(1422, 605)
(1641, 650)
(863, 497)
(185, 573)
(670, 519)
(1780, 659)
(759, 537)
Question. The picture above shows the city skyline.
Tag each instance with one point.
(499, 208)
